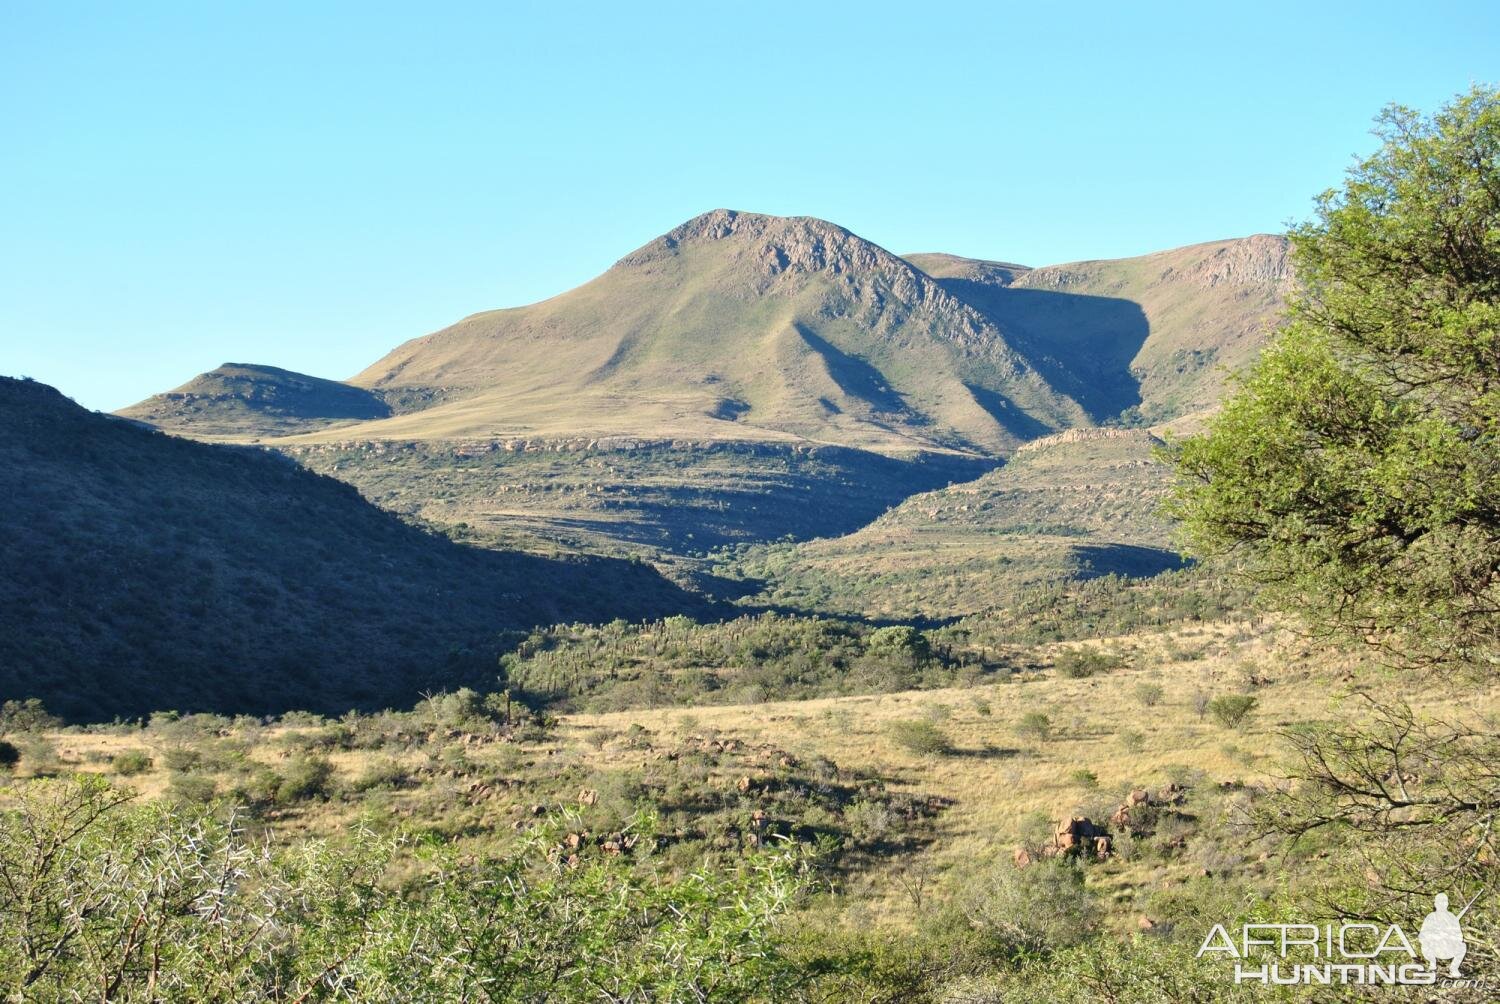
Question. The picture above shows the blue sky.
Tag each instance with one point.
(309, 184)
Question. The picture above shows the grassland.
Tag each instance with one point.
(835, 770)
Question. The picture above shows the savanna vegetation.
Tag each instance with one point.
(1052, 798)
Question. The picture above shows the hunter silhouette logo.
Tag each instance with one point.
(1442, 937)
(1351, 951)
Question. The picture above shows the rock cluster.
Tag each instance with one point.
(1079, 836)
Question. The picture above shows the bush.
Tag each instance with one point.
(38, 757)
(703, 934)
(9, 755)
(1149, 695)
(386, 773)
(1037, 909)
(921, 736)
(906, 643)
(194, 789)
(1078, 664)
(1034, 725)
(26, 716)
(1230, 710)
(869, 822)
(1084, 778)
(131, 762)
(181, 758)
(306, 777)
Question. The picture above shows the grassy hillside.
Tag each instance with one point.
(636, 495)
(918, 802)
(734, 326)
(238, 400)
(1075, 505)
(749, 379)
(144, 571)
(1150, 337)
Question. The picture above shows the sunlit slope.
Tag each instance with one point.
(240, 400)
(734, 326)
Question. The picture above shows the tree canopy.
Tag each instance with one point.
(1356, 469)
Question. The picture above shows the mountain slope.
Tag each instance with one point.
(1154, 335)
(734, 326)
(246, 400)
(144, 571)
(1073, 505)
(747, 378)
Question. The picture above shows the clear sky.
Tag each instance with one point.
(309, 184)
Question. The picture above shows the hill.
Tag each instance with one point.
(145, 571)
(734, 326)
(745, 378)
(1077, 504)
(1148, 338)
(244, 400)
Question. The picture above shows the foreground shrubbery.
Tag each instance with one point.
(103, 898)
(100, 898)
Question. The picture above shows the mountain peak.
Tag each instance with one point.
(782, 243)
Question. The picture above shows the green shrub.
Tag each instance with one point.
(869, 822)
(921, 736)
(194, 789)
(1084, 778)
(38, 757)
(383, 774)
(1229, 710)
(1034, 725)
(1037, 909)
(131, 762)
(1149, 695)
(305, 777)
(26, 716)
(702, 934)
(1078, 664)
(181, 758)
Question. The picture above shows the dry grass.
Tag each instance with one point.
(1001, 783)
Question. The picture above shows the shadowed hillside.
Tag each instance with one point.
(1152, 336)
(682, 497)
(1075, 505)
(144, 571)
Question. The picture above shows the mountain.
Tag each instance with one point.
(734, 326)
(245, 400)
(747, 377)
(1076, 504)
(145, 571)
(1150, 338)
